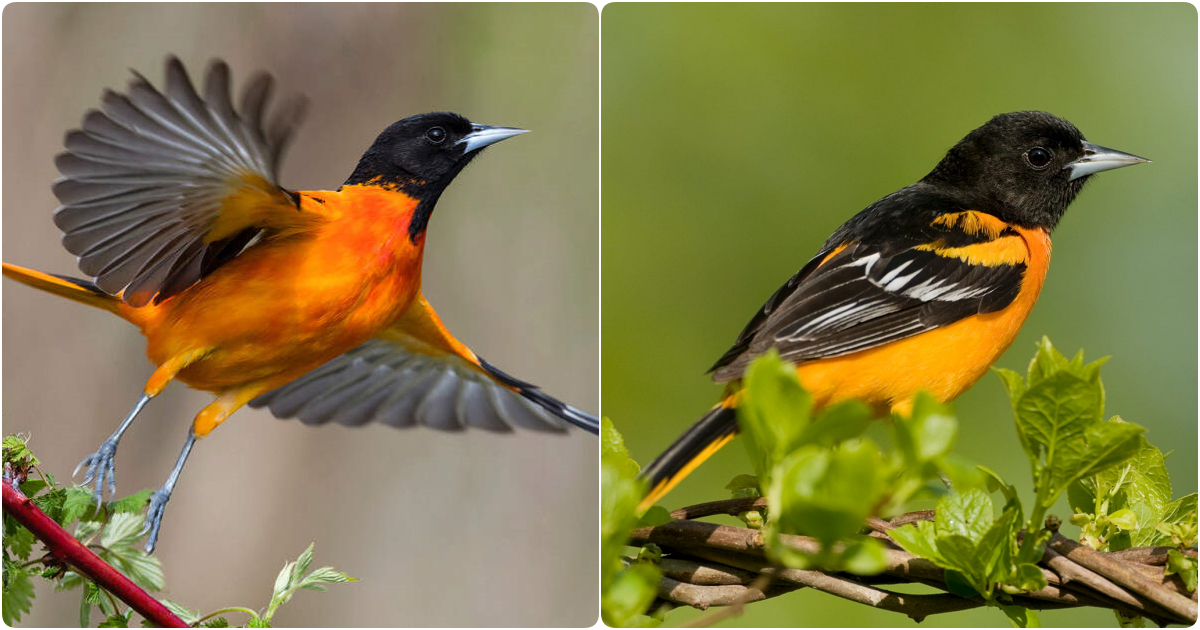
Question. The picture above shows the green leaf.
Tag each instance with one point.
(1183, 566)
(919, 539)
(656, 515)
(93, 595)
(1054, 414)
(123, 529)
(614, 452)
(1020, 616)
(1014, 383)
(76, 503)
(1109, 444)
(965, 539)
(292, 578)
(85, 606)
(620, 493)
(51, 503)
(1140, 485)
(189, 616)
(141, 567)
(1181, 510)
(744, 487)
(632, 592)
(828, 493)
(771, 392)
(16, 452)
(967, 514)
(1029, 577)
(933, 427)
(300, 566)
(318, 578)
(1125, 519)
(996, 550)
(135, 502)
(864, 556)
(221, 622)
(958, 584)
(18, 539)
(33, 486)
(836, 424)
(118, 620)
(18, 594)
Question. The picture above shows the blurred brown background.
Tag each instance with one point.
(443, 530)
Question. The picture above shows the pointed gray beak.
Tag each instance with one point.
(1097, 158)
(483, 135)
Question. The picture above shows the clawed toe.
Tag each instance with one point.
(154, 514)
(101, 467)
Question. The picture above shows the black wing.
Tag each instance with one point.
(864, 295)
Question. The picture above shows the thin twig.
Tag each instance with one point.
(703, 574)
(731, 507)
(1135, 582)
(758, 589)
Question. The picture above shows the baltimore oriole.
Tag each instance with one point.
(306, 302)
(922, 290)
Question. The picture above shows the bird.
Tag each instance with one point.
(922, 290)
(306, 302)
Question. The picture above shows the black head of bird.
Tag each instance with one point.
(423, 153)
(1024, 167)
(420, 155)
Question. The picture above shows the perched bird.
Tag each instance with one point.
(922, 290)
(306, 302)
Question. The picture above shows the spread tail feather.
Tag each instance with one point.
(706, 437)
(71, 288)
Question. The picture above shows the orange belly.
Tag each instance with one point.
(284, 307)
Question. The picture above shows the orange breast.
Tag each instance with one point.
(945, 361)
(291, 303)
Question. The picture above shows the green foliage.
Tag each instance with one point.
(627, 588)
(823, 477)
(967, 539)
(1130, 506)
(113, 531)
(1059, 413)
(295, 577)
(18, 591)
(1059, 416)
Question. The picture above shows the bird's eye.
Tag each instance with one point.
(435, 135)
(1038, 157)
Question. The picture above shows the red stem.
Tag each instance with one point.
(64, 547)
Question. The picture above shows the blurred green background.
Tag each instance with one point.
(443, 529)
(738, 137)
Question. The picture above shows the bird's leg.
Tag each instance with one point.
(208, 419)
(101, 465)
(159, 498)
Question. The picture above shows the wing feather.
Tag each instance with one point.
(150, 175)
(861, 295)
(383, 381)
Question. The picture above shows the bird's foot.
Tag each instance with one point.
(154, 515)
(101, 466)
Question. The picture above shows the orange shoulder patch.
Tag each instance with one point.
(972, 222)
